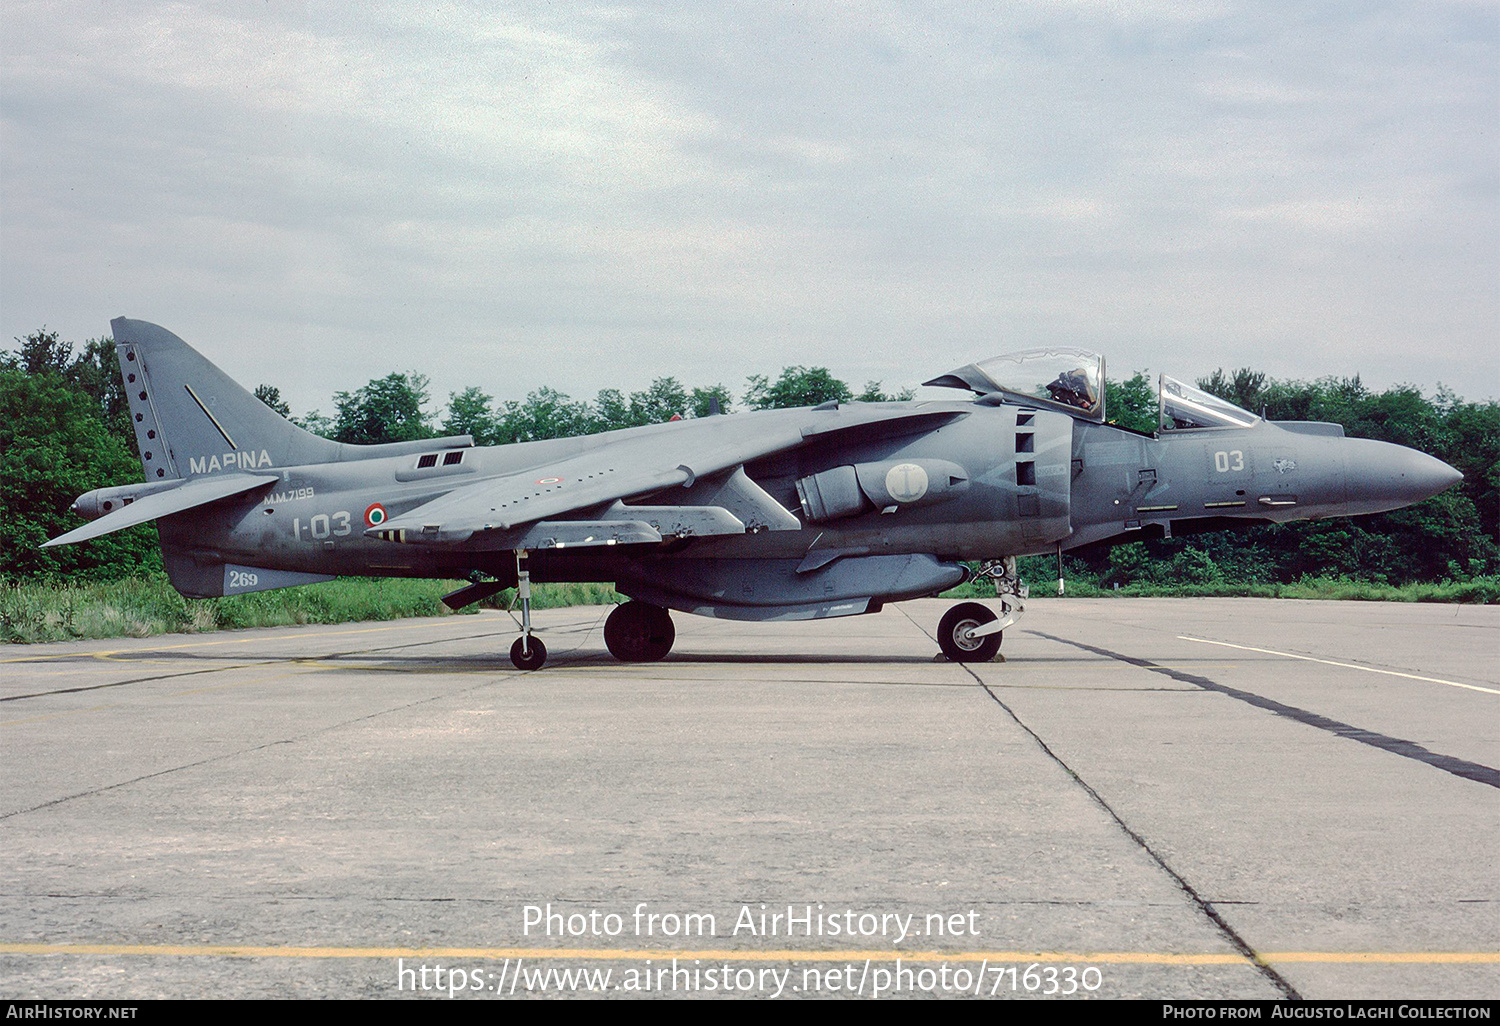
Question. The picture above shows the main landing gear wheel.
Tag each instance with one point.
(528, 653)
(956, 637)
(639, 632)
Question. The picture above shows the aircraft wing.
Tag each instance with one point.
(637, 464)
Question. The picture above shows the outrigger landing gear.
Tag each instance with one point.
(970, 632)
(528, 653)
(639, 632)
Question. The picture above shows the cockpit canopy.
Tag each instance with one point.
(1183, 407)
(1070, 380)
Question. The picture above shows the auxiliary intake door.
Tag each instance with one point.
(1042, 473)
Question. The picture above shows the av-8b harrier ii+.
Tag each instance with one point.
(792, 514)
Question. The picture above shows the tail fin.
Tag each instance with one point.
(191, 419)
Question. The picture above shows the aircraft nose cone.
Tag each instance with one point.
(1390, 476)
(1421, 475)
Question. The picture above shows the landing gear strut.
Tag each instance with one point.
(639, 632)
(970, 632)
(528, 653)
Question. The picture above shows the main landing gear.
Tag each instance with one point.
(638, 632)
(528, 653)
(970, 632)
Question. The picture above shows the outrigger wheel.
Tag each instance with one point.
(528, 653)
(956, 633)
(638, 632)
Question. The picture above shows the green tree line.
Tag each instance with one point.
(65, 429)
(395, 408)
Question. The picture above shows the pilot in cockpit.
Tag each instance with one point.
(1072, 389)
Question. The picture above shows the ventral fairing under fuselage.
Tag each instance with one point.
(825, 511)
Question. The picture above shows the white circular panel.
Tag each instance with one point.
(906, 482)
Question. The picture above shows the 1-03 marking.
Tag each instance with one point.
(324, 526)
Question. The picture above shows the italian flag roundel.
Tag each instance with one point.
(375, 515)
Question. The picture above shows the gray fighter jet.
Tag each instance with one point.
(793, 514)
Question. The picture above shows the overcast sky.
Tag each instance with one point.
(315, 194)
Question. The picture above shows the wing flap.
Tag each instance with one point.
(196, 492)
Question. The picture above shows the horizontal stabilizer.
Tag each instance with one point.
(197, 492)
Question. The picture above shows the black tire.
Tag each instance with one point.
(639, 632)
(956, 622)
(528, 653)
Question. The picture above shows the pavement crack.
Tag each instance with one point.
(1205, 907)
(138, 680)
(331, 657)
(238, 752)
(144, 776)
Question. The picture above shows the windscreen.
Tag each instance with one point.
(1184, 407)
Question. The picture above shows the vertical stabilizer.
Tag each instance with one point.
(191, 419)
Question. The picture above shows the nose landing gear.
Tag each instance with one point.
(970, 632)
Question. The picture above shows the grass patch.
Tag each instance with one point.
(141, 607)
(138, 608)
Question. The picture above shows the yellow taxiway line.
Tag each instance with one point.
(751, 955)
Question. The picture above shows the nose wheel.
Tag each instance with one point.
(957, 637)
(528, 653)
(970, 632)
(639, 632)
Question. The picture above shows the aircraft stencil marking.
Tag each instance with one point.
(291, 495)
(1224, 462)
(230, 460)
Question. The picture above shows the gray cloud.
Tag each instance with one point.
(591, 197)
